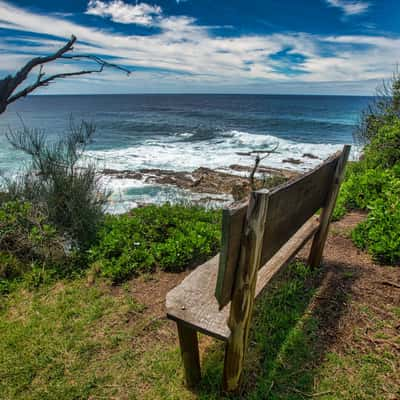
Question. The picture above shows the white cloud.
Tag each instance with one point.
(124, 13)
(195, 58)
(350, 7)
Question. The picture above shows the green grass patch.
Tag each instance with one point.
(71, 341)
(63, 341)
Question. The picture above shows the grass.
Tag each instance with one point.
(73, 341)
(367, 374)
(67, 341)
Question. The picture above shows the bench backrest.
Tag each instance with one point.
(289, 207)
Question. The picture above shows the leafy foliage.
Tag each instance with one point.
(373, 184)
(170, 237)
(69, 193)
(382, 111)
(27, 241)
(361, 189)
(384, 149)
(377, 191)
(380, 232)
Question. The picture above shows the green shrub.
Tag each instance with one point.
(362, 189)
(384, 149)
(27, 241)
(58, 183)
(26, 234)
(168, 237)
(380, 232)
(373, 184)
(382, 111)
(378, 192)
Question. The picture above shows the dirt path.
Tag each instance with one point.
(371, 283)
(357, 301)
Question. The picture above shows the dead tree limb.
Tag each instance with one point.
(257, 161)
(9, 86)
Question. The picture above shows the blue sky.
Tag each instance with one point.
(216, 46)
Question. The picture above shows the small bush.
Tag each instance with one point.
(168, 237)
(373, 184)
(26, 234)
(380, 232)
(27, 240)
(378, 192)
(362, 189)
(56, 181)
(384, 149)
(383, 111)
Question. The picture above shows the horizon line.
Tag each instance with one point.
(197, 94)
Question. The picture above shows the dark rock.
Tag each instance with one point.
(309, 155)
(203, 180)
(292, 161)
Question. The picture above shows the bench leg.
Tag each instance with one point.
(317, 246)
(190, 354)
(233, 365)
(318, 243)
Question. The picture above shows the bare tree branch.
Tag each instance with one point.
(257, 161)
(10, 84)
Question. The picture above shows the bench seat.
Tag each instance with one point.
(193, 302)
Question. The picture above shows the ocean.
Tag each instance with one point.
(184, 132)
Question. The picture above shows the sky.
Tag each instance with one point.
(209, 46)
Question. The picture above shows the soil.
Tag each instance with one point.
(354, 282)
(350, 281)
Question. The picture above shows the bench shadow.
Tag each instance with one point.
(295, 322)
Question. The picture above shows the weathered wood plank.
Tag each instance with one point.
(232, 226)
(276, 226)
(318, 244)
(286, 253)
(292, 204)
(241, 309)
(197, 306)
(193, 301)
(190, 353)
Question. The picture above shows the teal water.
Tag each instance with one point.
(184, 132)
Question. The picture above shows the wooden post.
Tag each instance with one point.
(244, 290)
(190, 354)
(318, 243)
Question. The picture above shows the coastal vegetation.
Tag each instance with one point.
(373, 183)
(82, 292)
(53, 222)
(167, 237)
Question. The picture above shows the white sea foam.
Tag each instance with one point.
(176, 153)
(130, 193)
(220, 152)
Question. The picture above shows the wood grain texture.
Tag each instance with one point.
(318, 244)
(292, 204)
(193, 301)
(241, 309)
(232, 226)
(286, 253)
(269, 231)
(190, 353)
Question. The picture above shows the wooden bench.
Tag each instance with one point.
(258, 239)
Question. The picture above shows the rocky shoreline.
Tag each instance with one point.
(208, 181)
